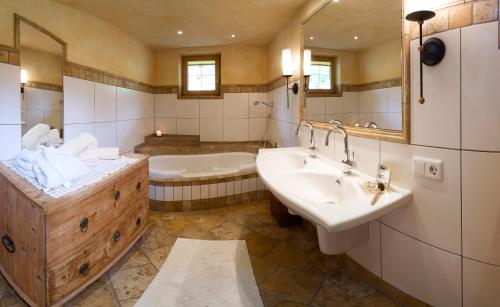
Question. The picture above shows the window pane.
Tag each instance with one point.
(324, 70)
(320, 76)
(208, 70)
(194, 83)
(194, 70)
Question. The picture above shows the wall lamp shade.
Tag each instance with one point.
(432, 52)
(24, 76)
(307, 68)
(286, 66)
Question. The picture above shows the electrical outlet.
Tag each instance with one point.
(428, 168)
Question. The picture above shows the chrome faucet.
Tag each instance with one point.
(348, 164)
(312, 142)
(371, 125)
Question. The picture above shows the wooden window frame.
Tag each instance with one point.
(332, 91)
(215, 94)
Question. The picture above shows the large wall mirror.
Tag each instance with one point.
(357, 74)
(42, 68)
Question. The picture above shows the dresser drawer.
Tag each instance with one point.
(92, 258)
(130, 189)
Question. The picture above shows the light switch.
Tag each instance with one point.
(418, 167)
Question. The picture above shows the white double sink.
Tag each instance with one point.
(318, 190)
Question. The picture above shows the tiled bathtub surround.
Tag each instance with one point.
(205, 193)
(441, 248)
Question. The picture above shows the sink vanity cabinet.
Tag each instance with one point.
(53, 248)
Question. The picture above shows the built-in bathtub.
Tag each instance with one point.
(204, 181)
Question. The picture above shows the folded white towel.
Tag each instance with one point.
(100, 153)
(51, 139)
(53, 169)
(28, 155)
(77, 145)
(24, 168)
(31, 140)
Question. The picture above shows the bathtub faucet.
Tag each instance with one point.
(312, 142)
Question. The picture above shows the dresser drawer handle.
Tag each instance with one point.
(138, 186)
(117, 195)
(8, 243)
(84, 224)
(117, 236)
(138, 221)
(84, 269)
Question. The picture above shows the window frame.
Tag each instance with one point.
(217, 93)
(332, 90)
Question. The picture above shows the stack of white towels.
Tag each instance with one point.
(53, 167)
(41, 134)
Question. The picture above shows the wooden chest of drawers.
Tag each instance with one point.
(53, 248)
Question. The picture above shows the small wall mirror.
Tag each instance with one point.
(357, 71)
(42, 69)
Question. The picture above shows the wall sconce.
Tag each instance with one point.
(307, 68)
(24, 80)
(286, 65)
(431, 52)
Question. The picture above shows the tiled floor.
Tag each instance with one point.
(289, 268)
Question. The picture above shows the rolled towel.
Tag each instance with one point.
(32, 138)
(28, 155)
(53, 169)
(77, 145)
(108, 153)
(52, 139)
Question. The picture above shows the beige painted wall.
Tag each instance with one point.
(42, 67)
(289, 37)
(379, 63)
(240, 64)
(91, 41)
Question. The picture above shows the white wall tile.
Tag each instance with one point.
(212, 130)
(125, 104)
(152, 192)
(165, 105)
(78, 101)
(230, 188)
(368, 253)
(221, 189)
(204, 192)
(433, 215)
(480, 90)
(237, 187)
(53, 119)
(34, 98)
(34, 117)
(235, 130)
(437, 122)
(106, 134)
(169, 193)
(394, 121)
(73, 130)
(212, 108)
(124, 130)
(160, 192)
(187, 108)
(333, 105)
(148, 105)
(365, 101)
(188, 126)
(10, 141)
(252, 184)
(245, 186)
(186, 192)
(212, 190)
(481, 282)
(257, 128)
(178, 193)
(166, 125)
(364, 152)
(350, 102)
(380, 119)
(315, 106)
(481, 210)
(195, 192)
(425, 272)
(379, 102)
(236, 105)
(105, 103)
(53, 100)
(259, 110)
(394, 100)
(10, 96)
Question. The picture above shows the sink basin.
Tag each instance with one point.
(318, 190)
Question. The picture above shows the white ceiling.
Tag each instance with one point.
(204, 22)
(373, 21)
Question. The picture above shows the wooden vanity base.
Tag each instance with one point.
(52, 249)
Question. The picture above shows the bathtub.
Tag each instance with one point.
(204, 165)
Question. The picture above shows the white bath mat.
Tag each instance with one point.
(204, 273)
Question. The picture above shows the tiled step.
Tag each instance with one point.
(172, 139)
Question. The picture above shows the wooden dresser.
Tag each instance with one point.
(53, 248)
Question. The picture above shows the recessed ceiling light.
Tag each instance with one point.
(233, 35)
(311, 37)
(336, 1)
(179, 32)
(355, 37)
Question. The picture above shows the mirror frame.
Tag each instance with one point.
(400, 136)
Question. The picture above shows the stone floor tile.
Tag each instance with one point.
(208, 222)
(288, 255)
(259, 245)
(376, 300)
(95, 297)
(331, 295)
(262, 268)
(292, 285)
(131, 283)
(229, 231)
(132, 259)
(128, 303)
(354, 287)
(158, 255)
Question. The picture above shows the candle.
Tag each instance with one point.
(158, 133)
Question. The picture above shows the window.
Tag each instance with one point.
(201, 76)
(322, 79)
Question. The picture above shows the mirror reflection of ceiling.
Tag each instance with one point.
(203, 22)
(32, 38)
(372, 21)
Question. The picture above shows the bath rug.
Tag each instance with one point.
(204, 273)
